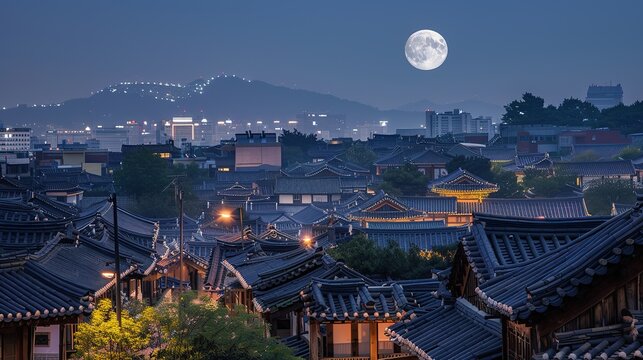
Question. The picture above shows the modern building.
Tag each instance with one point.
(450, 122)
(604, 96)
(257, 151)
(59, 136)
(111, 138)
(531, 139)
(15, 139)
(181, 129)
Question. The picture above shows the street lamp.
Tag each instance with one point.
(227, 215)
(307, 241)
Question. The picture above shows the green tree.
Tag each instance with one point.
(630, 153)
(359, 154)
(508, 186)
(543, 184)
(576, 112)
(406, 180)
(102, 339)
(363, 255)
(198, 329)
(476, 165)
(295, 146)
(146, 177)
(627, 119)
(588, 155)
(529, 110)
(142, 173)
(601, 194)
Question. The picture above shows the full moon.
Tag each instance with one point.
(426, 49)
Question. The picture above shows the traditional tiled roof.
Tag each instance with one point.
(605, 342)
(30, 234)
(427, 238)
(416, 156)
(31, 293)
(353, 300)
(596, 168)
(298, 345)
(549, 208)
(462, 181)
(407, 225)
(496, 245)
(497, 154)
(285, 294)
(269, 270)
(549, 280)
(307, 186)
(431, 204)
(450, 332)
(237, 190)
(528, 160)
(618, 209)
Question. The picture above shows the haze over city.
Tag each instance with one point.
(56, 51)
(336, 180)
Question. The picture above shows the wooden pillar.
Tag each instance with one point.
(373, 340)
(313, 336)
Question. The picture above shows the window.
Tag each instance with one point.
(320, 198)
(41, 339)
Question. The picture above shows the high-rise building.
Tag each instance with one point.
(15, 139)
(181, 130)
(482, 125)
(59, 136)
(450, 122)
(111, 138)
(604, 96)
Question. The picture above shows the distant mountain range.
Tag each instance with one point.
(216, 98)
(475, 107)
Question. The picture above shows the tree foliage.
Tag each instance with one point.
(544, 184)
(295, 146)
(363, 255)
(630, 153)
(145, 176)
(601, 194)
(360, 154)
(405, 180)
(102, 339)
(191, 328)
(531, 110)
(478, 166)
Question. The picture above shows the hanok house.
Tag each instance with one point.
(465, 327)
(348, 317)
(464, 186)
(583, 299)
(427, 161)
(587, 172)
(307, 190)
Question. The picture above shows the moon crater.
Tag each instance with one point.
(426, 49)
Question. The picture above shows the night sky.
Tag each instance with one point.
(57, 50)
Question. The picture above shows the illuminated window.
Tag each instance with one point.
(164, 155)
(224, 169)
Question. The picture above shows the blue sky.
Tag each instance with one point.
(56, 50)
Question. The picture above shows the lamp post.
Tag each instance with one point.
(226, 215)
(180, 241)
(117, 259)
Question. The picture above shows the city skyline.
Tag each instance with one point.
(354, 52)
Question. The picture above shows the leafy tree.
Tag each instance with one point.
(508, 186)
(628, 119)
(478, 166)
(197, 329)
(363, 255)
(295, 146)
(102, 339)
(601, 194)
(142, 172)
(630, 153)
(576, 112)
(360, 154)
(529, 110)
(588, 155)
(145, 176)
(406, 180)
(543, 184)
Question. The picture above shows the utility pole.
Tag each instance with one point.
(180, 240)
(117, 259)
